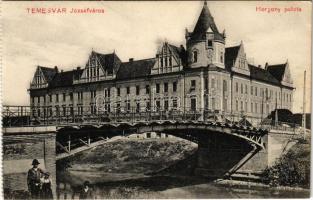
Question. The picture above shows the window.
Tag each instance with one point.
(246, 107)
(137, 107)
(251, 109)
(147, 89)
(256, 91)
(224, 86)
(174, 103)
(161, 62)
(128, 106)
(165, 87)
(206, 84)
(256, 107)
(170, 61)
(50, 97)
(236, 87)
(174, 86)
(147, 105)
(165, 61)
(80, 95)
(241, 106)
(193, 103)
(92, 94)
(118, 107)
(118, 91)
(38, 99)
(107, 107)
(157, 88)
(137, 90)
(195, 56)
(236, 105)
(71, 96)
(193, 85)
(246, 89)
(71, 109)
(38, 112)
(165, 104)
(158, 105)
(44, 99)
(127, 90)
(241, 88)
(64, 97)
(64, 110)
(224, 104)
(210, 43)
(251, 90)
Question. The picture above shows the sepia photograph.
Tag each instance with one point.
(156, 99)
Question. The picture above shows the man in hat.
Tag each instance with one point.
(86, 192)
(33, 179)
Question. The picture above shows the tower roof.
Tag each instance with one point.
(205, 21)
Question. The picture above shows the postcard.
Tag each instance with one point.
(156, 99)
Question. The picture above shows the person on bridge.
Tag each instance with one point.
(33, 180)
(86, 192)
(46, 191)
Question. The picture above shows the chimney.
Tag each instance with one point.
(266, 66)
(78, 68)
(131, 59)
(56, 68)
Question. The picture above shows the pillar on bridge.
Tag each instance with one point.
(20, 146)
(221, 154)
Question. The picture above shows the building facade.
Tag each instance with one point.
(202, 75)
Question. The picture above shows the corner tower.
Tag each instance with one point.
(205, 45)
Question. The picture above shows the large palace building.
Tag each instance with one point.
(201, 75)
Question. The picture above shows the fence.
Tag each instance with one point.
(66, 115)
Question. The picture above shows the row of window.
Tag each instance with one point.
(268, 94)
(254, 107)
(166, 61)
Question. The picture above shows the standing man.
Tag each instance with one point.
(33, 180)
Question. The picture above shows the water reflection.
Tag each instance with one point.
(163, 187)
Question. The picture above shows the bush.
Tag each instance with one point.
(293, 168)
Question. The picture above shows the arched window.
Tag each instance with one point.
(195, 56)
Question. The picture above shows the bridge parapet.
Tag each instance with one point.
(14, 116)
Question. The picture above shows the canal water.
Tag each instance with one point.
(161, 187)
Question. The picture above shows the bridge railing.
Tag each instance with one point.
(66, 115)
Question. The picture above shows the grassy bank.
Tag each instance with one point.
(293, 168)
(126, 158)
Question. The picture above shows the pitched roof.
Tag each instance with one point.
(231, 54)
(49, 73)
(205, 21)
(135, 69)
(65, 78)
(179, 52)
(107, 61)
(261, 74)
(277, 71)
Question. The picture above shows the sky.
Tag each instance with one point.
(136, 29)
